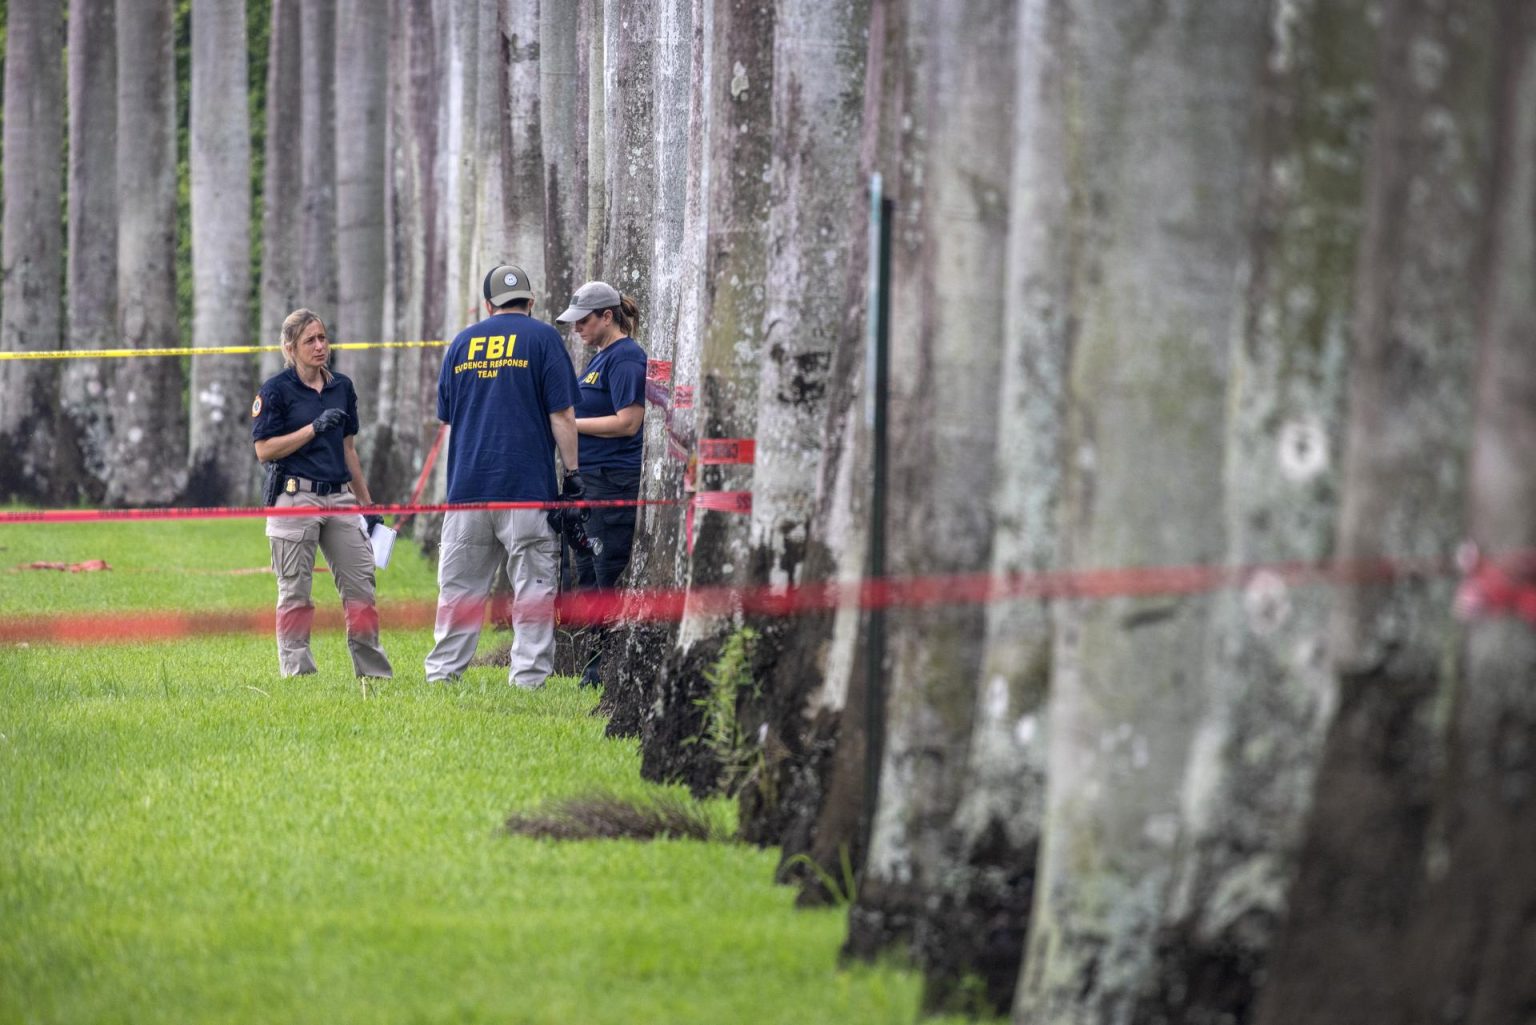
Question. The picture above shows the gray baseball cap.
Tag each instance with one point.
(594, 295)
(505, 283)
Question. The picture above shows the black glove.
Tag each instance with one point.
(573, 490)
(370, 521)
(329, 420)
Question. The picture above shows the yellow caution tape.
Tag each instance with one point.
(211, 350)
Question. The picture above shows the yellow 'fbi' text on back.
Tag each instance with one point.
(487, 355)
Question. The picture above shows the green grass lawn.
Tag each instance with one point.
(186, 837)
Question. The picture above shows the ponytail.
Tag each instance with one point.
(627, 314)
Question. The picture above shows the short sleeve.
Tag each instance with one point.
(444, 400)
(267, 413)
(558, 376)
(626, 384)
(353, 423)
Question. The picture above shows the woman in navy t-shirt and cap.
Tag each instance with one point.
(303, 421)
(610, 412)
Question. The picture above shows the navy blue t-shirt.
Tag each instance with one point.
(501, 379)
(285, 403)
(614, 379)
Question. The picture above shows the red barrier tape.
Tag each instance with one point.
(258, 512)
(601, 606)
(426, 470)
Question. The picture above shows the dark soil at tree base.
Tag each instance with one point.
(777, 714)
(638, 658)
(883, 920)
(977, 930)
(669, 734)
(1204, 980)
(834, 835)
(1335, 960)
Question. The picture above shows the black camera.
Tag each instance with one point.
(576, 534)
(572, 525)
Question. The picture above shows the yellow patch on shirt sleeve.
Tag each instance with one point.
(256, 406)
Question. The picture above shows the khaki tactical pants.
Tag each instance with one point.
(473, 543)
(350, 557)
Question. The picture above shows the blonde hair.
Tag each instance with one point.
(293, 326)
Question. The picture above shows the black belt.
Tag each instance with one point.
(319, 487)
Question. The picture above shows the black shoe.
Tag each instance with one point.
(589, 678)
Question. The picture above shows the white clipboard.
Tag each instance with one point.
(382, 539)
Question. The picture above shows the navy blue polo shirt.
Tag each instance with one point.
(500, 381)
(285, 403)
(614, 379)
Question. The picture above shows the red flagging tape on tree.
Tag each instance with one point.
(605, 606)
(727, 451)
(724, 501)
(657, 394)
(1496, 586)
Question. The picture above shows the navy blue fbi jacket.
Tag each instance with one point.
(285, 403)
(501, 379)
(614, 379)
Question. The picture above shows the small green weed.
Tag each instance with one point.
(721, 731)
(842, 893)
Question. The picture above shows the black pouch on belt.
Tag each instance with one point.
(273, 483)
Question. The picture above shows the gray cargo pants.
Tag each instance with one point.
(473, 543)
(350, 557)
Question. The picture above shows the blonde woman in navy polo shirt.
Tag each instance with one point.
(303, 421)
(610, 412)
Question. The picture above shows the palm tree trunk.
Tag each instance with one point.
(317, 132)
(1368, 843)
(817, 121)
(1259, 737)
(150, 455)
(1164, 161)
(740, 92)
(362, 35)
(629, 30)
(563, 144)
(414, 309)
(518, 200)
(85, 432)
(989, 854)
(219, 451)
(591, 43)
(31, 257)
(283, 180)
(946, 340)
(825, 806)
(1470, 939)
(681, 67)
